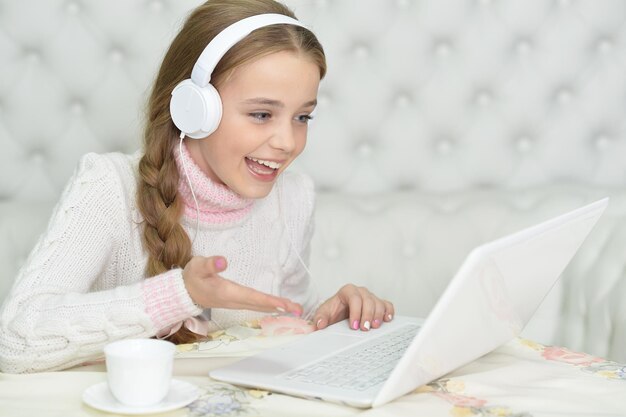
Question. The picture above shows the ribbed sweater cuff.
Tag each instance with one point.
(167, 300)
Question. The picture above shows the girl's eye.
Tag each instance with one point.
(260, 116)
(304, 118)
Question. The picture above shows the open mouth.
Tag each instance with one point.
(263, 169)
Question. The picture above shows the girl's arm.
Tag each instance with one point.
(75, 293)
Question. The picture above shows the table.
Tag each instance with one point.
(519, 379)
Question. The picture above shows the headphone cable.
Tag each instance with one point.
(193, 194)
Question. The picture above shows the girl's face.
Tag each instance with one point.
(266, 108)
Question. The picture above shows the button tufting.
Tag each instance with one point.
(601, 141)
(523, 46)
(156, 6)
(483, 98)
(443, 48)
(523, 143)
(33, 55)
(116, 54)
(325, 188)
(37, 156)
(564, 95)
(402, 100)
(405, 186)
(361, 50)
(72, 7)
(365, 149)
(444, 146)
(604, 45)
(77, 107)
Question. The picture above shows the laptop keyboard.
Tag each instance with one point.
(359, 367)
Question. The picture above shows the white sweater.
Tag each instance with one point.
(84, 283)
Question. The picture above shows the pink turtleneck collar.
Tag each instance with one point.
(217, 203)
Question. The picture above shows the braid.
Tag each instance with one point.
(164, 238)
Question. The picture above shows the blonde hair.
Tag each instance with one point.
(164, 238)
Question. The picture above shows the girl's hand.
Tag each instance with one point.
(209, 290)
(362, 308)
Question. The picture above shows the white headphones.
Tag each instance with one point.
(195, 105)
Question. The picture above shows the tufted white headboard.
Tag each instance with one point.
(441, 124)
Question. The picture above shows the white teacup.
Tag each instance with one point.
(139, 371)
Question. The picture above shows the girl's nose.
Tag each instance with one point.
(284, 138)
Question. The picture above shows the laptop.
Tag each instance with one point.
(488, 302)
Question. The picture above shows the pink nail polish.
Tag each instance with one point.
(377, 323)
(219, 263)
(355, 324)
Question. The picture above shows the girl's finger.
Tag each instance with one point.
(355, 304)
(368, 308)
(389, 311)
(238, 296)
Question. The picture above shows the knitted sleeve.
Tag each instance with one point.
(52, 318)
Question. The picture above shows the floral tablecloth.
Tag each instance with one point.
(519, 379)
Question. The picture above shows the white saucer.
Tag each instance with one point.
(181, 393)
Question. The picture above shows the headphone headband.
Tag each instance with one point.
(217, 48)
(195, 105)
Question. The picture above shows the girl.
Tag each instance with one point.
(190, 235)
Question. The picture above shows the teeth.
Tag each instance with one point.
(270, 164)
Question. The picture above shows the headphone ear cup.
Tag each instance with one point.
(195, 110)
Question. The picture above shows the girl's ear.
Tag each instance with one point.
(195, 105)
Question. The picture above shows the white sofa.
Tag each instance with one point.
(442, 124)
